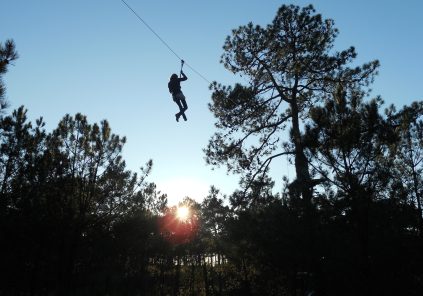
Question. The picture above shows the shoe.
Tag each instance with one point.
(177, 117)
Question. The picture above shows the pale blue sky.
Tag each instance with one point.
(97, 58)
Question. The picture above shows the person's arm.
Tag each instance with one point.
(184, 77)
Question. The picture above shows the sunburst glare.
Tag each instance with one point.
(182, 213)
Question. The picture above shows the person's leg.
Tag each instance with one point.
(184, 108)
(184, 105)
(178, 102)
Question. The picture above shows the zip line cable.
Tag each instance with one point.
(164, 42)
(151, 29)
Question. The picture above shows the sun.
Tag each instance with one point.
(182, 213)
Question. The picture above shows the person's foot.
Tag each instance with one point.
(177, 117)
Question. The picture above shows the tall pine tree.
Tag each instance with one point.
(290, 66)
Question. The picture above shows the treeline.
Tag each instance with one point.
(75, 221)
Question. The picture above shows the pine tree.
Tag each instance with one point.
(7, 55)
(290, 66)
(409, 156)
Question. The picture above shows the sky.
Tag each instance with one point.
(97, 58)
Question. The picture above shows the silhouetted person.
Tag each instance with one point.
(177, 95)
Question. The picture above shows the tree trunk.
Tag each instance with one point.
(303, 185)
(301, 162)
(205, 276)
(219, 276)
(192, 277)
(418, 200)
(415, 186)
(162, 279)
(177, 277)
(68, 263)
